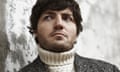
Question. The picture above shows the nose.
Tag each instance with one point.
(58, 23)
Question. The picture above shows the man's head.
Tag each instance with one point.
(56, 24)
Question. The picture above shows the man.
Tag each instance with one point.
(56, 25)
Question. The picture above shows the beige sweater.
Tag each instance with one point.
(58, 62)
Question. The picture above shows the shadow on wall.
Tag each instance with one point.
(4, 46)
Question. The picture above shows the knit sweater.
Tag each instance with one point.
(81, 64)
(58, 62)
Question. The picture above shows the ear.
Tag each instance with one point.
(35, 33)
(35, 36)
(75, 42)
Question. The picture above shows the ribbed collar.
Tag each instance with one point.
(53, 58)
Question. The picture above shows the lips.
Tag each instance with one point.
(58, 34)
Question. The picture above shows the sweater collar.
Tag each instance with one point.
(41, 67)
(53, 58)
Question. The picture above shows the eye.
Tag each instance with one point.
(48, 17)
(68, 18)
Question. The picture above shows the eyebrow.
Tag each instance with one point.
(53, 13)
(50, 12)
(66, 14)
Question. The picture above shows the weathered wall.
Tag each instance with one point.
(3, 38)
(21, 44)
(100, 38)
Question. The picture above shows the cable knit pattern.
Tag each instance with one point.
(58, 62)
(52, 58)
(63, 68)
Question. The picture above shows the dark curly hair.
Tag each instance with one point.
(42, 5)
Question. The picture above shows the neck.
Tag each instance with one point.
(53, 58)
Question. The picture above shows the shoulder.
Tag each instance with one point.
(94, 64)
(29, 67)
(35, 66)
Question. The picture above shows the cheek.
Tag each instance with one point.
(73, 29)
(45, 26)
(72, 32)
(40, 30)
(43, 30)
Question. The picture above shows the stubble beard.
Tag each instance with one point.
(56, 47)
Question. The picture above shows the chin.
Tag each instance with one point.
(61, 47)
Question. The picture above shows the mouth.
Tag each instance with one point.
(58, 34)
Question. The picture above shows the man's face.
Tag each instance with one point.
(56, 30)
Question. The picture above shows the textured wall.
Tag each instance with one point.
(100, 38)
(21, 44)
(3, 38)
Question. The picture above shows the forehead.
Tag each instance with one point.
(64, 11)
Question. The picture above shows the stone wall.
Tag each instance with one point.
(100, 38)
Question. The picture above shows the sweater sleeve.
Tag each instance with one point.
(115, 69)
